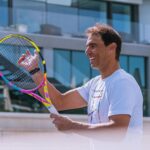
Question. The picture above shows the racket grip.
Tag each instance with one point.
(52, 109)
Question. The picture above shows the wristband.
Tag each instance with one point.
(35, 70)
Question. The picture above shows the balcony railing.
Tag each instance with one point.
(68, 24)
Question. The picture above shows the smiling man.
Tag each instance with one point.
(113, 98)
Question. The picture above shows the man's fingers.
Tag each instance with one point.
(22, 58)
(28, 53)
(55, 121)
(54, 115)
(36, 53)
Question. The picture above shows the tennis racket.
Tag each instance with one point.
(12, 47)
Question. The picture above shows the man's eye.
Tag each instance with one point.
(92, 46)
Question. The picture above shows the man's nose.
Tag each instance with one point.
(87, 51)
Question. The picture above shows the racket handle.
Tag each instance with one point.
(52, 109)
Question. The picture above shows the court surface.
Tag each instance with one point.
(54, 140)
(35, 132)
(43, 141)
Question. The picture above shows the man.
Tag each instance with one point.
(113, 98)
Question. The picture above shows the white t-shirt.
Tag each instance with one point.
(117, 94)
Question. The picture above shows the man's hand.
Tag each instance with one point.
(62, 123)
(29, 61)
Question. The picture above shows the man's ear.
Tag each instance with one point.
(112, 46)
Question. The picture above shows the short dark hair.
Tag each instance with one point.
(108, 35)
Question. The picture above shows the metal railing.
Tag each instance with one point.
(68, 24)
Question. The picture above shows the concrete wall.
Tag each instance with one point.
(39, 122)
(30, 121)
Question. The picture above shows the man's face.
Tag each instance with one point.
(96, 51)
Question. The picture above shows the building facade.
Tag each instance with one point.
(58, 28)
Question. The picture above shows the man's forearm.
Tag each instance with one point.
(104, 131)
(92, 127)
(54, 94)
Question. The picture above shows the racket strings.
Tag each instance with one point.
(20, 79)
(10, 52)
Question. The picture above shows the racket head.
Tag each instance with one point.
(12, 48)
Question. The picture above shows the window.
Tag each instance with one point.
(62, 19)
(124, 18)
(136, 66)
(121, 17)
(91, 12)
(72, 68)
(137, 69)
(3, 13)
(73, 17)
(124, 62)
(80, 68)
(62, 67)
(29, 13)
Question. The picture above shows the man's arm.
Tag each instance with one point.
(115, 122)
(62, 101)
(116, 126)
(68, 100)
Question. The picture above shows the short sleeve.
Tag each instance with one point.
(122, 98)
(84, 90)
